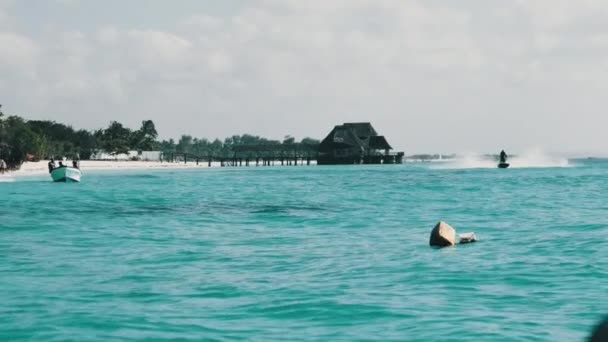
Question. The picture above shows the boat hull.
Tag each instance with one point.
(503, 165)
(66, 174)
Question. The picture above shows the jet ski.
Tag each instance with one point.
(502, 160)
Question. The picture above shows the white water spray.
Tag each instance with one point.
(528, 159)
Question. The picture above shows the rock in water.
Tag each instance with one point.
(467, 237)
(443, 235)
(600, 334)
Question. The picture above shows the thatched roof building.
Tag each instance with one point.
(356, 143)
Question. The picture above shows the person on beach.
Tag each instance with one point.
(51, 165)
(75, 164)
(503, 156)
(2, 166)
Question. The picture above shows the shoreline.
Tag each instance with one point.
(41, 167)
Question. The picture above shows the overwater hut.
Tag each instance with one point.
(356, 143)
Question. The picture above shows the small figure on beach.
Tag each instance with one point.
(503, 156)
(75, 164)
(51, 165)
(3, 166)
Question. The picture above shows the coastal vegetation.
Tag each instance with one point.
(31, 140)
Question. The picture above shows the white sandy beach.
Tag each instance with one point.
(41, 167)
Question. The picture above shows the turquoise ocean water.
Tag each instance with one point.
(305, 253)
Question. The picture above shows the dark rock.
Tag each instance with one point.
(443, 235)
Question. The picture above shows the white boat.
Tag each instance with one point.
(66, 174)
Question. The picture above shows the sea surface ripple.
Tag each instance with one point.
(305, 253)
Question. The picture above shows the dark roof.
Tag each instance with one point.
(340, 137)
(354, 135)
(362, 129)
(379, 143)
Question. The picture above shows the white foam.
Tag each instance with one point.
(466, 161)
(537, 158)
(533, 158)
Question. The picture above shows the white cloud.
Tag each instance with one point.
(67, 2)
(5, 20)
(276, 67)
(157, 46)
(18, 50)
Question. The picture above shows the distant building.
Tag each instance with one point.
(356, 143)
(150, 155)
(130, 155)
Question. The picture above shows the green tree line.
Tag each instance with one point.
(22, 140)
(237, 143)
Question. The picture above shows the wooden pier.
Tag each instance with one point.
(350, 143)
(253, 155)
(276, 155)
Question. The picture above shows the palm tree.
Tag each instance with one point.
(144, 139)
(148, 129)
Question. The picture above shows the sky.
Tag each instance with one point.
(432, 76)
